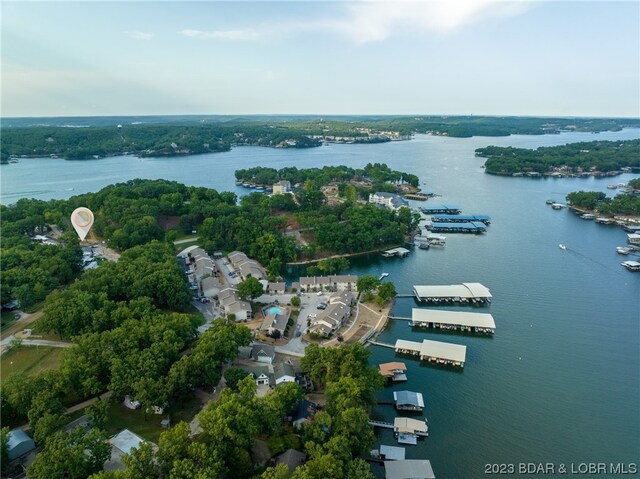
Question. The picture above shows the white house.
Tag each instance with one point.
(263, 353)
(281, 187)
(284, 373)
(388, 200)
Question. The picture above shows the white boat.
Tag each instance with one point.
(588, 216)
(623, 250)
(562, 246)
(382, 276)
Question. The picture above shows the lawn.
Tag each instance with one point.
(182, 246)
(121, 417)
(29, 359)
(40, 334)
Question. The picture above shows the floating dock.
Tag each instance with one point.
(406, 430)
(434, 351)
(486, 219)
(471, 227)
(395, 371)
(441, 209)
(462, 293)
(402, 252)
(418, 196)
(482, 323)
(631, 265)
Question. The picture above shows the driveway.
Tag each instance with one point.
(210, 312)
(297, 345)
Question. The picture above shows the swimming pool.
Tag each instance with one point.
(274, 310)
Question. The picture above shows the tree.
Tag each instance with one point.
(250, 288)
(77, 454)
(387, 290)
(295, 301)
(233, 375)
(367, 283)
(4, 453)
(98, 412)
(280, 471)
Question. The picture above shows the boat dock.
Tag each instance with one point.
(473, 293)
(482, 323)
(486, 219)
(631, 265)
(441, 209)
(434, 351)
(408, 401)
(401, 252)
(418, 196)
(470, 227)
(406, 430)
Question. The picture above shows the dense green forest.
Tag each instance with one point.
(577, 157)
(138, 211)
(82, 138)
(623, 204)
(377, 174)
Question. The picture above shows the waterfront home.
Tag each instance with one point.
(263, 353)
(325, 283)
(388, 200)
(334, 316)
(394, 371)
(282, 187)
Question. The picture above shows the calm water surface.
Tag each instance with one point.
(559, 382)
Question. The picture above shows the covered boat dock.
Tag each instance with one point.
(486, 219)
(453, 320)
(441, 209)
(408, 401)
(434, 351)
(463, 293)
(402, 252)
(470, 227)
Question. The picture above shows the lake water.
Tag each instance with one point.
(560, 380)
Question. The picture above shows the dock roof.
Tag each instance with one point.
(473, 320)
(409, 469)
(409, 425)
(408, 397)
(397, 251)
(446, 217)
(387, 369)
(438, 349)
(408, 345)
(392, 453)
(472, 225)
(464, 290)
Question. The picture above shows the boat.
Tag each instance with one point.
(623, 250)
(588, 216)
(382, 276)
(550, 202)
(424, 245)
(562, 246)
(631, 265)
(557, 206)
(612, 187)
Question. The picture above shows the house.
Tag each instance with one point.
(123, 443)
(262, 375)
(246, 266)
(328, 283)
(210, 286)
(276, 288)
(276, 322)
(408, 469)
(19, 444)
(229, 300)
(292, 459)
(282, 187)
(303, 413)
(284, 373)
(334, 316)
(263, 353)
(388, 200)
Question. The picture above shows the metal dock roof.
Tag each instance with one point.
(472, 225)
(449, 351)
(464, 290)
(408, 397)
(472, 320)
(461, 218)
(392, 453)
(409, 469)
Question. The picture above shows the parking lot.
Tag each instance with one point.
(309, 305)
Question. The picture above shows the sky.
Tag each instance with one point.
(457, 57)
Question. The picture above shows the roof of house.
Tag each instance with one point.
(239, 306)
(344, 278)
(388, 369)
(408, 469)
(261, 349)
(276, 321)
(292, 459)
(210, 282)
(286, 183)
(283, 369)
(277, 286)
(19, 444)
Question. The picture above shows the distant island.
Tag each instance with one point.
(90, 138)
(593, 158)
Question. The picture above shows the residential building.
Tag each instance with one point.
(334, 316)
(274, 324)
(328, 283)
(19, 444)
(276, 288)
(263, 353)
(246, 266)
(262, 375)
(284, 373)
(229, 300)
(388, 200)
(210, 286)
(292, 459)
(281, 187)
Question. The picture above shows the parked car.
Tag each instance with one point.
(319, 293)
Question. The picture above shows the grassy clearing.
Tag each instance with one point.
(181, 246)
(29, 359)
(121, 417)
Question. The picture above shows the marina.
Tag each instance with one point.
(485, 219)
(633, 238)
(482, 323)
(441, 209)
(473, 227)
(434, 351)
(474, 293)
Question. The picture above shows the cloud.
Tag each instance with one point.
(373, 21)
(140, 35)
(240, 34)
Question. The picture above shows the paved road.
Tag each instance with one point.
(186, 240)
(297, 345)
(19, 325)
(47, 342)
